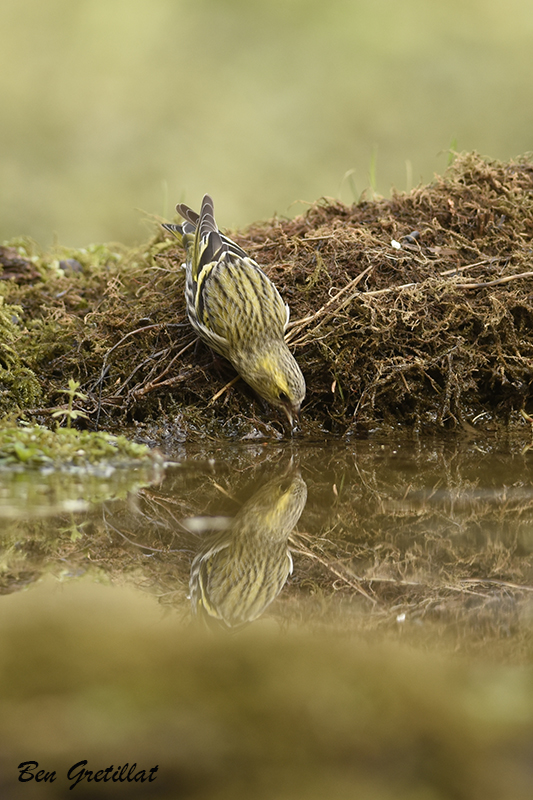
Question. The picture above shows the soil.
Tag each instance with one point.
(414, 312)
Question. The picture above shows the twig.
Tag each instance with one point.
(458, 284)
(169, 382)
(350, 580)
(135, 544)
(497, 281)
(159, 326)
(151, 358)
(157, 382)
(104, 363)
(225, 388)
(466, 266)
(495, 582)
(296, 326)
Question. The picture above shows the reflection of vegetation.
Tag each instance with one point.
(28, 494)
(239, 571)
(437, 535)
(422, 540)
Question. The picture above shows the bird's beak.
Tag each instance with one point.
(292, 415)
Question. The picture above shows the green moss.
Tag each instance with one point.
(429, 331)
(35, 447)
(19, 386)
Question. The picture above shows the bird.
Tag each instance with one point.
(236, 309)
(240, 570)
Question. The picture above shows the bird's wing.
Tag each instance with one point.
(236, 300)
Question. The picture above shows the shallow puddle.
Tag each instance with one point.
(288, 621)
(414, 538)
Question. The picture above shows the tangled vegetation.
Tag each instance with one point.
(415, 311)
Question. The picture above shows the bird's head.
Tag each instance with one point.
(275, 375)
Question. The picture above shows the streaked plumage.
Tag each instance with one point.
(236, 309)
(240, 570)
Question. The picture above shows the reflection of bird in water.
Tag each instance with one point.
(240, 570)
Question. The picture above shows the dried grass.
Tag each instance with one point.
(415, 311)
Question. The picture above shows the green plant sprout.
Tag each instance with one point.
(70, 413)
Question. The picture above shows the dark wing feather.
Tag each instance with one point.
(188, 214)
(169, 226)
(207, 218)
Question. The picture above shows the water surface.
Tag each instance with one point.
(416, 538)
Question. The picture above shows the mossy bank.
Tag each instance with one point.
(414, 312)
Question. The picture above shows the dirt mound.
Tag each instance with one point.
(413, 311)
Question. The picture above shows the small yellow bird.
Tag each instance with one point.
(237, 310)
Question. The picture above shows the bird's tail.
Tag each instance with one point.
(205, 220)
(200, 236)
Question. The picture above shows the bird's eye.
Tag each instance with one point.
(284, 397)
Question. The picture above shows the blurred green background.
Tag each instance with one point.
(115, 109)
